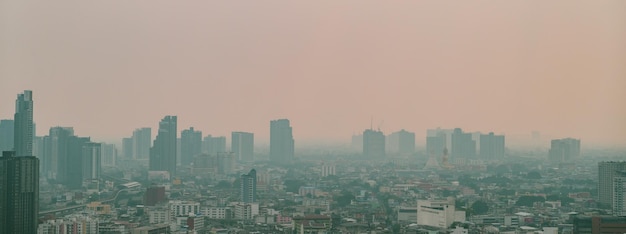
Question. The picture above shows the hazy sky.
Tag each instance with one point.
(108, 67)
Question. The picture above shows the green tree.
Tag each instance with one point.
(480, 207)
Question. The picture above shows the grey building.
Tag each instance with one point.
(213, 145)
(562, 150)
(141, 143)
(163, 151)
(607, 172)
(248, 187)
(435, 144)
(463, 147)
(91, 160)
(282, 144)
(190, 145)
(7, 134)
(242, 144)
(56, 156)
(373, 144)
(19, 196)
(127, 147)
(74, 165)
(491, 146)
(23, 124)
(401, 142)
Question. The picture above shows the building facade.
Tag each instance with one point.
(607, 171)
(242, 144)
(562, 150)
(491, 146)
(248, 187)
(190, 145)
(373, 144)
(19, 193)
(24, 129)
(163, 151)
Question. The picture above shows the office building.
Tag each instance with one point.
(438, 213)
(141, 143)
(226, 163)
(401, 142)
(24, 128)
(281, 141)
(91, 158)
(74, 165)
(599, 224)
(127, 147)
(19, 193)
(563, 150)
(248, 187)
(619, 194)
(163, 151)
(7, 135)
(190, 145)
(463, 147)
(436, 142)
(373, 144)
(109, 155)
(491, 146)
(607, 171)
(55, 162)
(242, 144)
(327, 170)
(213, 145)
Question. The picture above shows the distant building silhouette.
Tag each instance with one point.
(242, 144)
(463, 147)
(213, 145)
(74, 165)
(24, 129)
(19, 193)
(109, 155)
(190, 145)
(373, 144)
(607, 172)
(281, 141)
(436, 141)
(163, 151)
(401, 142)
(141, 143)
(248, 187)
(127, 147)
(56, 160)
(7, 134)
(562, 150)
(491, 146)
(91, 159)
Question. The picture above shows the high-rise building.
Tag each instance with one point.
(213, 145)
(242, 144)
(55, 160)
(281, 141)
(607, 171)
(436, 142)
(141, 143)
(19, 193)
(248, 187)
(619, 194)
(562, 150)
(401, 142)
(163, 151)
(491, 146)
(226, 163)
(7, 134)
(327, 170)
(373, 144)
(91, 158)
(463, 147)
(74, 165)
(190, 145)
(109, 155)
(24, 126)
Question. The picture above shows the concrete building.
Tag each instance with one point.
(19, 193)
(282, 144)
(163, 151)
(109, 155)
(242, 144)
(328, 169)
(91, 158)
(599, 225)
(373, 144)
(24, 127)
(438, 213)
(190, 144)
(463, 147)
(183, 208)
(141, 142)
(491, 146)
(246, 211)
(562, 150)
(214, 145)
(619, 194)
(401, 142)
(7, 134)
(248, 187)
(607, 171)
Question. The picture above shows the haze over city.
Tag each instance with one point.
(106, 68)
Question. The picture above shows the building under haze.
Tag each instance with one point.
(7, 135)
(73, 173)
(91, 160)
(242, 144)
(141, 142)
(24, 129)
(491, 146)
(401, 142)
(56, 156)
(109, 155)
(19, 193)
(163, 151)
(248, 187)
(127, 147)
(281, 141)
(436, 142)
(190, 145)
(562, 150)
(607, 172)
(463, 147)
(373, 144)
(213, 145)
(619, 194)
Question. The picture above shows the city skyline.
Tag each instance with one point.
(504, 67)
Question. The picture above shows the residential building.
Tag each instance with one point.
(163, 151)
(563, 150)
(607, 171)
(242, 144)
(141, 143)
(7, 134)
(190, 145)
(463, 147)
(248, 187)
(373, 144)
(401, 142)
(19, 193)
(491, 146)
(282, 147)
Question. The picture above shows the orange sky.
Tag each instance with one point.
(108, 67)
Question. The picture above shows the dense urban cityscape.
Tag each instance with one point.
(190, 182)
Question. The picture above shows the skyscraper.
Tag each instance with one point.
(607, 171)
(24, 126)
(248, 187)
(562, 150)
(141, 143)
(55, 160)
(401, 142)
(109, 155)
(373, 144)
(435, 144)
(163, 151)
(242, 144)
(213, 145)
(91, 160)
(281, 141)
(127, 147)
(19, 193)
(491, 146)
(7, 134)
(619, 194)
(74, 165)
(191, 145)
(463, 147)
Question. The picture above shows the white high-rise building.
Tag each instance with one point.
(328, 169)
